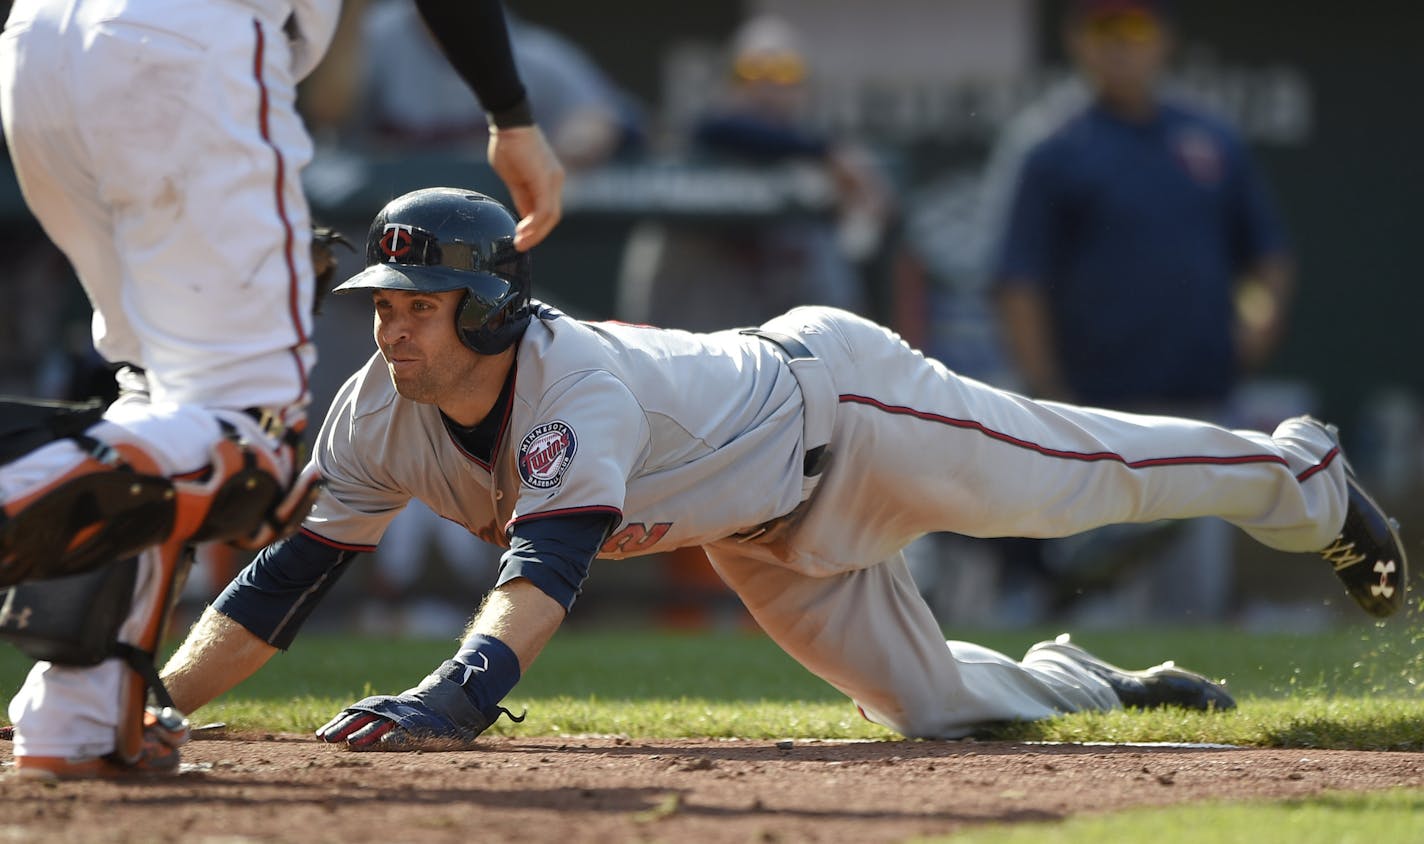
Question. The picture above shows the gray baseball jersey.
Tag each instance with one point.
(686, 437)
(702, 439)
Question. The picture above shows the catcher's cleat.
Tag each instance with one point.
(1367, 556)
(1161, 685)
(165, 730)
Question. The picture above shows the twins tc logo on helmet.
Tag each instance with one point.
(396, 241)
(402, 243)
(545, 454)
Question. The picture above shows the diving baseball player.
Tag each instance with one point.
(159, 145)
(803, 455)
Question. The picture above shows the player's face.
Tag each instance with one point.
(416, 334)
(1122, 56)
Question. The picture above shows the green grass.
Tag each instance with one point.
(1336, 818)
(1350, 688)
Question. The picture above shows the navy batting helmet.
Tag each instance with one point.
(440, 239)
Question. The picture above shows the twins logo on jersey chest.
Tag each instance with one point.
(545, 454)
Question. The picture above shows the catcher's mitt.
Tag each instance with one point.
(324, 261)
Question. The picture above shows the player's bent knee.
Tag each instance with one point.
(928, 719)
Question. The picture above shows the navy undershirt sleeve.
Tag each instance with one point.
(278, 590)
(474, 37)
(555, 553)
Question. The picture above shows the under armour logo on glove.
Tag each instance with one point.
(466, 659)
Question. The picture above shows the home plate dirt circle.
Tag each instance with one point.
(278, 787)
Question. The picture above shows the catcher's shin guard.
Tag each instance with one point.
(149, 728)
(116, 502)
(72, 621)
(121, 610)
(109, 505)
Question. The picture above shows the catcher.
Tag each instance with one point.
(159, 145)
(802, 455)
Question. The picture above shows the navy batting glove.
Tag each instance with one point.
(450, 707)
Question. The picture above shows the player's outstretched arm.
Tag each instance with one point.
(217, 654)
(458, 701)
(259, 613)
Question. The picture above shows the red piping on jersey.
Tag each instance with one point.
(1324, 461)
(340, 546)
(468, 456)
(503, 425)
(289, 238)
(1090, 457)
(567, 511)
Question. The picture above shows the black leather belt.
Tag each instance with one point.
(788, 344)
(794, 349)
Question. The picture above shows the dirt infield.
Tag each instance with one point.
(290, 788)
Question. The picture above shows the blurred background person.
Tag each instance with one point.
(1141, 268)
(45, 350)
(391, 88)
(705, 275)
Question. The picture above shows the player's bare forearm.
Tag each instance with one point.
(217, 654)
(521, 616)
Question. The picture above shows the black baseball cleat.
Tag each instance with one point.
(1160, 685)
(1367, 555)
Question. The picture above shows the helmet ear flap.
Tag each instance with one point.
(489, 333)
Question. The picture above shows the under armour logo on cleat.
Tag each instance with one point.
(1385, 569)
(21, 619)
